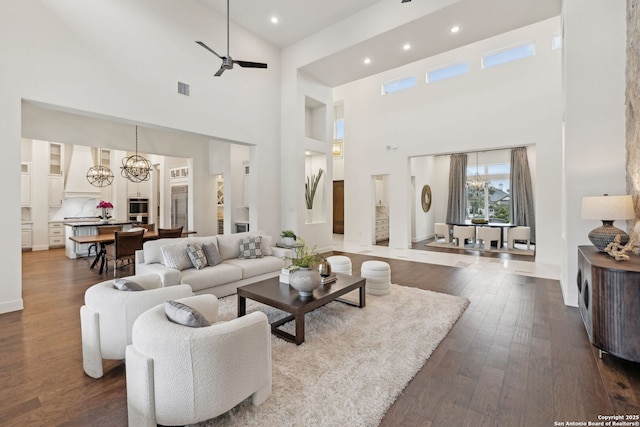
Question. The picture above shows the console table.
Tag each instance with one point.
(609, 301)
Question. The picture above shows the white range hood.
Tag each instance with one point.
(75, 183)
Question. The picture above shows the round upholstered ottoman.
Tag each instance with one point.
(378, 275)
(340, 264)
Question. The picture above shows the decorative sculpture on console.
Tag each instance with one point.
(619, 252)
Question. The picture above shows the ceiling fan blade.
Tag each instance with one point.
(209, 49)
(219, 72)
(406, 1)
(248, 64)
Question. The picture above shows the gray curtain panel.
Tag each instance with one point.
(457, 203)
(522, 211)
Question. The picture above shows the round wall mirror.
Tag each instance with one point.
(426, 198)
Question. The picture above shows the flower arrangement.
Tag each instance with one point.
(105, 206)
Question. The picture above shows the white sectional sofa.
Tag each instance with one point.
(221, 279)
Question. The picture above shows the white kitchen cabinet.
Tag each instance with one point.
(56, 235)
(382, 229)
(139, 189)
(56, 188)
(27, 236)
(25, 189)
(56, 154)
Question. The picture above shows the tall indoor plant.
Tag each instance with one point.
(310, 188)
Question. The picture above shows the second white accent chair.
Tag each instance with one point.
(178, 375)
(462, 233)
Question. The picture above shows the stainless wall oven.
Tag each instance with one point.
(139, 210)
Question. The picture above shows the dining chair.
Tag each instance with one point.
(124, 247)
(519, 234)
(488, 235)
(150, 227)
(164, 233)
(102, 229)
(442, 229)
(464, 232)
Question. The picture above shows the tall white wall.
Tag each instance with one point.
(515, 104)
(121, 60)
(594, 137)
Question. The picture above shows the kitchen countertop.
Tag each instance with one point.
(94, 223)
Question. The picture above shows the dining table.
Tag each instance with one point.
(104, 239)
(501, 225)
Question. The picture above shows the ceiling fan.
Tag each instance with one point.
(406, 1)
(227, 61)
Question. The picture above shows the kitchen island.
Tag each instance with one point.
(85, 227)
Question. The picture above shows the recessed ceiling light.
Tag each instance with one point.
(406, 46)
(367, 61)
(455, 29)
(274, 20)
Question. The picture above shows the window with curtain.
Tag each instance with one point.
(492, 201)
(522, 209)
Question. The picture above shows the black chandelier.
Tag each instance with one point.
(136, 168)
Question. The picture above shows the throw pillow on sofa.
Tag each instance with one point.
(267, 243)
(176, 256)
(197, 256)
(211, 253)
(250, 248)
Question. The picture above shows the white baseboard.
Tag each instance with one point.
(9, 306)
(40, 248)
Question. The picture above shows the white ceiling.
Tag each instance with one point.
(428, 34)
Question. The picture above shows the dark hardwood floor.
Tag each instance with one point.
(516, 357)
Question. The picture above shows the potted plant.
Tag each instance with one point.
(310, 188)
(303, 277)
(288, 237)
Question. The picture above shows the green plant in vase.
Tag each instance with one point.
(310, 188)
(303, 276)
(305, 257)
(288, 237)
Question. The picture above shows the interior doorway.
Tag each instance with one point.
(338, 207)
(381, 209)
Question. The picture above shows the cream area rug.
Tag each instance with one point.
(354, 361)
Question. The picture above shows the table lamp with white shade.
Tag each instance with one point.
(607, 209)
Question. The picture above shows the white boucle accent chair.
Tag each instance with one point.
(179, 375)
(106, 319)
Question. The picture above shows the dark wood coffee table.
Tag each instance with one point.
(282, 296)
